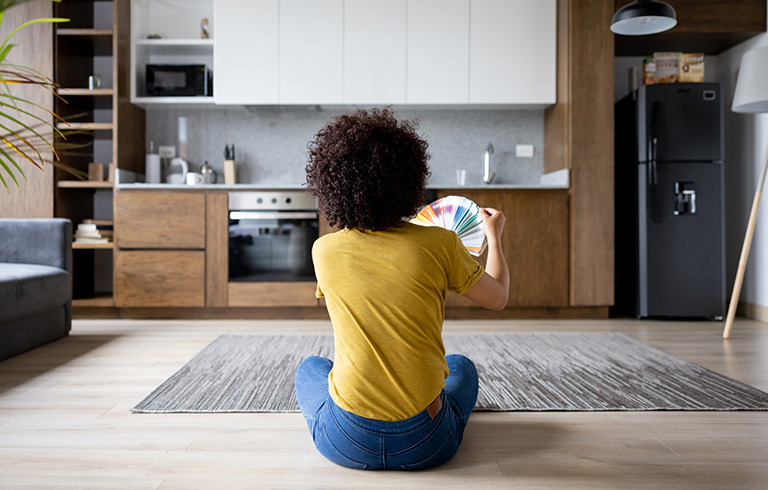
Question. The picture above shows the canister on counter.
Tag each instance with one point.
(230, 168)
(152, 166)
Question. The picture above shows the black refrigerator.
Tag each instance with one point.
(670, 232)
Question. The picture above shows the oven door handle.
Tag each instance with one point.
(272, 215)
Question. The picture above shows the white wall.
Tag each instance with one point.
(746, 140)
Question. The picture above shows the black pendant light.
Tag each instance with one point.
(643, 17)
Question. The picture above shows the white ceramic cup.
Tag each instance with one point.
(194, 178)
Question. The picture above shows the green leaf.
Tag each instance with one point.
(3, 164)
(5, 51)
(24, 128)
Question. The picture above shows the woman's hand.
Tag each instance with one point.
(493, 223)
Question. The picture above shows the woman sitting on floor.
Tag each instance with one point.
(390, 398)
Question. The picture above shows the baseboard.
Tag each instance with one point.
(309, 313)
(751, 311)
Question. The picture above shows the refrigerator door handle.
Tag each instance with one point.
(654, 171)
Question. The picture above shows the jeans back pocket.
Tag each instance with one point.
(336, 454)
(444, 452)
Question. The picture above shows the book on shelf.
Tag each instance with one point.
(99, 222)
(94, 231)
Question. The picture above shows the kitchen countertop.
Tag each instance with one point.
(554, 180)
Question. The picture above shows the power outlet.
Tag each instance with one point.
(524, 151)
(167, 151)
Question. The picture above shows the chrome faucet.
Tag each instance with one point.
(487, 174)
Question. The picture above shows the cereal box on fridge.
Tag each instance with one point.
(691, 67)
(667, 66)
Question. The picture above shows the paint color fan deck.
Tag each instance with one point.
(459, 214)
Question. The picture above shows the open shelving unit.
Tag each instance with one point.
(177, 22)
(101, 127)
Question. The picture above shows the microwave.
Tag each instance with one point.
(179, 80)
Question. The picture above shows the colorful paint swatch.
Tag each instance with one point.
(458, 214)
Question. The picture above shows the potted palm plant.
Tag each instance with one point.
(23, 134)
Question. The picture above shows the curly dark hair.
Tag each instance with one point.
(367, 170)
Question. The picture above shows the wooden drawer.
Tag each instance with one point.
(160, 219)
(160, 278)
(272, 294)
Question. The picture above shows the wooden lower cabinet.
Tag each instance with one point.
(535, 242)
(272, 294)
(187, 267)
(160, 278)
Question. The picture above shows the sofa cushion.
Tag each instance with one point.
(27, 289)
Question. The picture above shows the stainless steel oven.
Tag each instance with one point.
(271, 235)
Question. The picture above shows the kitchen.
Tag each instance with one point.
(558, 194)
(158, 294)
(486, 122)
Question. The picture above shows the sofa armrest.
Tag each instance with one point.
(46, 241)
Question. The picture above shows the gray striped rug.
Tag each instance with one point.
(518, 372)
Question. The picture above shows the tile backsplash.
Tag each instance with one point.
(271, 142)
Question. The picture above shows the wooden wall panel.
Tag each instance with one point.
(129, 148)
(160, 278)
(160, 219)
(591, 113)
(557, 120)
(216, 249)
(34, 198)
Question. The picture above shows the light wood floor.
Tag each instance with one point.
(64, 421)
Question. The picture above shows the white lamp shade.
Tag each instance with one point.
(641, 26)
(751, 94)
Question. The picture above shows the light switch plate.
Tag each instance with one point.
(524, 151)
(167, 151)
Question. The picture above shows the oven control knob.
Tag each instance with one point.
(287, 200)
(259, 200)
(274, 200)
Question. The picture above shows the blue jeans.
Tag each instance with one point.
(415, 443)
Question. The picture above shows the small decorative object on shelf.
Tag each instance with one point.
(204, 32)
(96, 172)
(94, 81)
(154, 36)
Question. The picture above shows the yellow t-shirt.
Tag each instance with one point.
(385, 292)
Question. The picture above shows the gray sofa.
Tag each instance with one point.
(35, 283)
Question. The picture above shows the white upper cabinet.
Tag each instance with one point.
(512, 52)
(365, 52)
(246, 51)
(311, 51)
(438, 52)
(374, 51)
